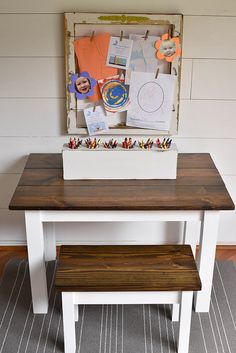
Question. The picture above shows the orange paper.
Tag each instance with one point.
(91, 55)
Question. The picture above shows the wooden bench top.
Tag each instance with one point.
(127, 268)
(198, 186)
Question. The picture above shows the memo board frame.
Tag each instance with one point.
(84, 24)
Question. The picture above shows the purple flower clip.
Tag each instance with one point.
(91, 84)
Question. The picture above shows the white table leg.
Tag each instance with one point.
(207, 247)
(50, 241)
(76, 306)
(35, 244)
(191, 235)
(68, 312)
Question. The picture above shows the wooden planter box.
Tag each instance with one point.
(119, 163)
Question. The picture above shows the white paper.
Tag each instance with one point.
(119, 52)
(143, 55)
(151, 100)
(96, 121)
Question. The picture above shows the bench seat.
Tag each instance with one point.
(127, 268)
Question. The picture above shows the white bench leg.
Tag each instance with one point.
(191, 235)
(175, 312)
(185, 321)
(76, 307)
(68, 310)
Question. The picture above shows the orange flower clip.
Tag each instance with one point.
(167, 48)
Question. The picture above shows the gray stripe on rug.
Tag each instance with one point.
(113, 328)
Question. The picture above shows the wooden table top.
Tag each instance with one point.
(198, 186)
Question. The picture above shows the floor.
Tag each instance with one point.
(223, 252)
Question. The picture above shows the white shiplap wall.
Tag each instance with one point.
(32, 104)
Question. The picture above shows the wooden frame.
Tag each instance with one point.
(83, 24)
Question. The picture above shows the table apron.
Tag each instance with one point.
(118, 216)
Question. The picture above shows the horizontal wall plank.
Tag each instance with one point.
(8, 183)
(32, 77)
(221, 151)
(214, 79)
(228, 219)
(201, 7)
(128, 232)
(207, 119)
(12, 230)
(186, 77)
(32, 117)
(38, 35)
(230, 182)
(15, 150)
(227, 226)
(13, 158)
(209, 37)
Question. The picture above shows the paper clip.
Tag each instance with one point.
(157, 72)
(92, 35)
(121, 35)
(146, 35)
(94, 107)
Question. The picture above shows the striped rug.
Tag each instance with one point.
(113, 328)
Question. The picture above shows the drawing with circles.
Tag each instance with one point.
(151, 100)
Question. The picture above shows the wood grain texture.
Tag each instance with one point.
(198, 186)
(9, 252)
(127, 268)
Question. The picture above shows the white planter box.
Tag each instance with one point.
(119, 163)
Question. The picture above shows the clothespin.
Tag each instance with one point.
(146, 35)
(92, 35)
(157, 72)
(169, 32)
(173, 108)
(175, 71)
(94, 107)
(121, 35)
(122, 75)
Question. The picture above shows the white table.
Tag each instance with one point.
(196, 198)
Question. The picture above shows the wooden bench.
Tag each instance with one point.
(128, 274)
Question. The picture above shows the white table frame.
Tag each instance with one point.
(41, 243)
